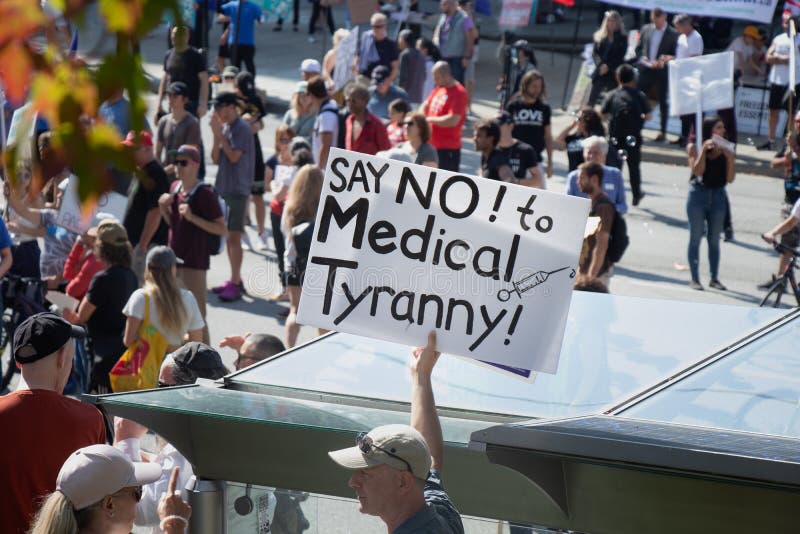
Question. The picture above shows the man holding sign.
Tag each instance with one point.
(396, 467)
(778, 57)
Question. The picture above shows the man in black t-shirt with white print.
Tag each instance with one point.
(494, 164)
(521, 157)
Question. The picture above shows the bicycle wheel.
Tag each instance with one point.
(774, 294)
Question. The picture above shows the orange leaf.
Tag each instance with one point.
(20, 18)
(16, 66)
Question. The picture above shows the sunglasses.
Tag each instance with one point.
(285, 141)
(137, 493)
(182, 162)
(379, 26)
(408, 123)
(365, 445)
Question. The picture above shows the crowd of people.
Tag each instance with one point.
(408, 99)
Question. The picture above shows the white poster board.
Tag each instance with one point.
(707, 78)
(758, 11)
(345, 58)
(399, 250)
(752, 111)
(74, 219)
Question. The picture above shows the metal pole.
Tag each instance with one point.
(235, 49)
(572, 54)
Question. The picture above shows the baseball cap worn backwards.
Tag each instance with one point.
(398, 446)
(41, 335)
(93, 472)
(190, 151)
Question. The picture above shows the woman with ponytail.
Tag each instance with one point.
(173, 311)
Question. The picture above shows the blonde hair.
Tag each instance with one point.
(338, 35)
(303, 196)
(56, 516)
(163, 287)
(602, 32)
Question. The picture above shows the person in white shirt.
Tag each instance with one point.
(690, 44)
(326, 125)
(745, 52)
(778, 59)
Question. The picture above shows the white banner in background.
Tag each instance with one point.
(749, 10)
(345, 56)
(399, 250)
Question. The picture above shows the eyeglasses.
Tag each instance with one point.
(182, 162)
(365, 445)
(284, 141)
(408, 123)
(229, 77)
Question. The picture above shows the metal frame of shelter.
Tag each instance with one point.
(578, 465)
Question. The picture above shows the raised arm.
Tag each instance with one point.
(423, 406)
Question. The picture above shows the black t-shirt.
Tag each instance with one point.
(152, 182)
(184, 68)
(490, 166)
(109, 291)
(530, 121)
(574, 150)
(255, 107)
(520, 157)
(387, 52)
(791, 183)
(626, 106)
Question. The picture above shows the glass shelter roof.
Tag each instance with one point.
(613, 348)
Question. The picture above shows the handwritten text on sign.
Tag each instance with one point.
(400, 249)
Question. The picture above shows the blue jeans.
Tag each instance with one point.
(706, 211)
(456, 67)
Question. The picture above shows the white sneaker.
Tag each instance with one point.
(263, 241)
(246, 245)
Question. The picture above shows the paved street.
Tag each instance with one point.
(655, 264)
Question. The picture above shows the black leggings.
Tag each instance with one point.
(316, 11)
(277, 236)
(245, 53)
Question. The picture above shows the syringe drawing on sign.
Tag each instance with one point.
(527, 283)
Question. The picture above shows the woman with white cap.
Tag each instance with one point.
(173, 311)
(97, 490)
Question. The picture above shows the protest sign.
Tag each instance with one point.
(401, 249)
(708, 78)
(74, 219)
(748, 10)
(516, 13)
(345, 58)
(276, 8)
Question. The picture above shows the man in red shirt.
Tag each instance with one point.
(365, 131)
(192, 211)
(41, 427)
(446, 110)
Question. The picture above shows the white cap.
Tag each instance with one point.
(93, 472)
(310, 65)
(398, 446)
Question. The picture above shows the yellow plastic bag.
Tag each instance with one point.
(138, 366)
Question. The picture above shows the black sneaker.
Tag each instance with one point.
(728, 234)
(637, 198)
(766, 145)
(716, 284)
(768, 284)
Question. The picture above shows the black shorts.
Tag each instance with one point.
(224, 51)
(257, 188)
(777, 94)
(791, 238)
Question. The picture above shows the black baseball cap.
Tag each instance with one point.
(41, 335)
(198, 357)
(178, 88)
(225, 98)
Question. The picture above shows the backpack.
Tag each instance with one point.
(618, 240)
(341, 116)
(216, 243)
(627, 118)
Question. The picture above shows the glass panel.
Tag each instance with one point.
(298, 512)
(217, 402)
(613, 347)
(755, 389)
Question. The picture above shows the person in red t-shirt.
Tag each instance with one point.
(365, 131)
(446, 110)
(192, 212)
(41, 426)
